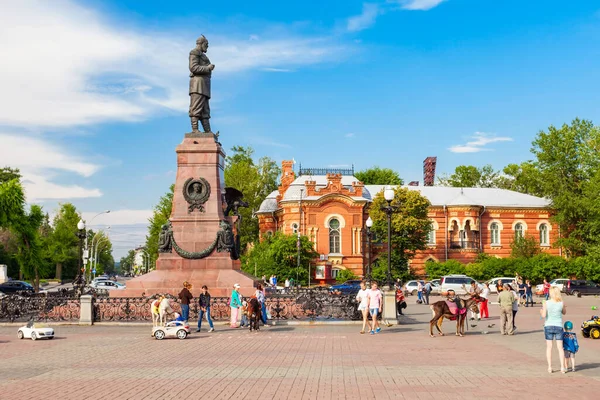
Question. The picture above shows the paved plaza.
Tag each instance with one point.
(299, 362)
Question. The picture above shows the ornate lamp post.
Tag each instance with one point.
(388, 195)
(81, 234)
(369, 224)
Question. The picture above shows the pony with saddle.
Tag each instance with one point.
(254, 315)
(454, 310)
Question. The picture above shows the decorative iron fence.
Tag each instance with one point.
(299, 304)
(14, 308)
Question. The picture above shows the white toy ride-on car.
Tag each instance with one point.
(35, 332)
(176, 329)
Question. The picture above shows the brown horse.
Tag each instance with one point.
(441, 310)
(254, 310)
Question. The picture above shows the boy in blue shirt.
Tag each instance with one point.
(570, 345)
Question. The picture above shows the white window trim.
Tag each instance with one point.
(520, 221)
(500, 228)
(548, 229)
(434, 228)
(451, 223)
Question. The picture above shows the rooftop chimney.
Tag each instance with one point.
(429, 171)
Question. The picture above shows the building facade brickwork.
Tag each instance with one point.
(331, 210)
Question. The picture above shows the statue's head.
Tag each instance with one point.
(202, 43)
(196, 187)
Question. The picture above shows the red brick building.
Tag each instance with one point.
(331, 208)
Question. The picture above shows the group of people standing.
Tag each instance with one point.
(237, 304)
(370, 302)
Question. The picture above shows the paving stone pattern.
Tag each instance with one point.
(299, 362)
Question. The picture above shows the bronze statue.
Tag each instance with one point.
(227, 241)
(200, 74)
(165, 237)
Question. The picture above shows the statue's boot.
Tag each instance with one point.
(206, 125)
(194, 124)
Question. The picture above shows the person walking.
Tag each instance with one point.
(506, 300)
(363, 304)
(426, 292)
(260, 296)
(473, 290)
(235, 303)
(522, 289)
(419, 292)
(287, 285)
(528, 293)
(185, 296)
(546, 288)
(483, 305)
(570, 345)
(375, 306)
(204, 304)
(552, 312)
(515, 307)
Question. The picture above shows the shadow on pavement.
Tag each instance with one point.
(585, 366)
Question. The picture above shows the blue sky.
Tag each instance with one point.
(94, 93)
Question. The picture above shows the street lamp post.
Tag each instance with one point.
(86, 252)
(369, 224)
(388, 195)
(81, 234)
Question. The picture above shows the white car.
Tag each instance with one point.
(30, 331)
(176, 329)
(108, 285)
(494, 282)
(559, 283)
(459, 283)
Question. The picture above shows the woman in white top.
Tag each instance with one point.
(363, 298)
(483, 306)
(552, 311)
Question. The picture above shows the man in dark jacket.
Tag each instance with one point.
(204, 305)
(200, 75)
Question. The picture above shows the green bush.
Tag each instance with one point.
(345, 275)
(438, 269)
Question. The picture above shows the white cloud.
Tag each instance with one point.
(40, 161)
(365, 19)
(349, 135)
(65, 65)
(419, 4)
(480, 140)
(118, 217)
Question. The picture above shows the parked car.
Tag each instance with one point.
(494, 283)
(411, 287)
(30, 331)
(176, 329)
(581, 288)
(559, 283)
(108, 285)
(348, 287)
(15, 286)
(458, 283)
(591, 328)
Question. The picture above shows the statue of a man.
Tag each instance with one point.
(200, 73)
(164, 239)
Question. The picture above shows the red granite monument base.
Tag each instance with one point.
(198, 156)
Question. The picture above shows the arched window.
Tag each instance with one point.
(495, 233)
(544, 235)
(431, 236)
(294, 228)
(334, 236)
(518, 230)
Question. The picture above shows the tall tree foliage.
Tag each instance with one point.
(278, 254)
(126, 263)
(410, 227)
(29, 252)
(379, 176)
(160, 216)
(523, 178)
(256, 180)
(471, 176)
(63, 243)
(569, 163)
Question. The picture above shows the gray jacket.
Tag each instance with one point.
(199, 73)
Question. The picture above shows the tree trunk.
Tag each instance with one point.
(58, 274)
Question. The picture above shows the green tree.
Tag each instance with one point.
(126, 263)
(8, 174)
(471, 176)
(523, 178)
(379, 176)
(160, 216)
(524, 246)
(410, 227)
(345, 275)
(567, 158)
(256, 180)
(63, 245)
(29, 250)
(278, 254)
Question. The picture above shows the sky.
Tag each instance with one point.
(93, 94)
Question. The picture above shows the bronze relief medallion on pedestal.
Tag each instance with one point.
(196, 192)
